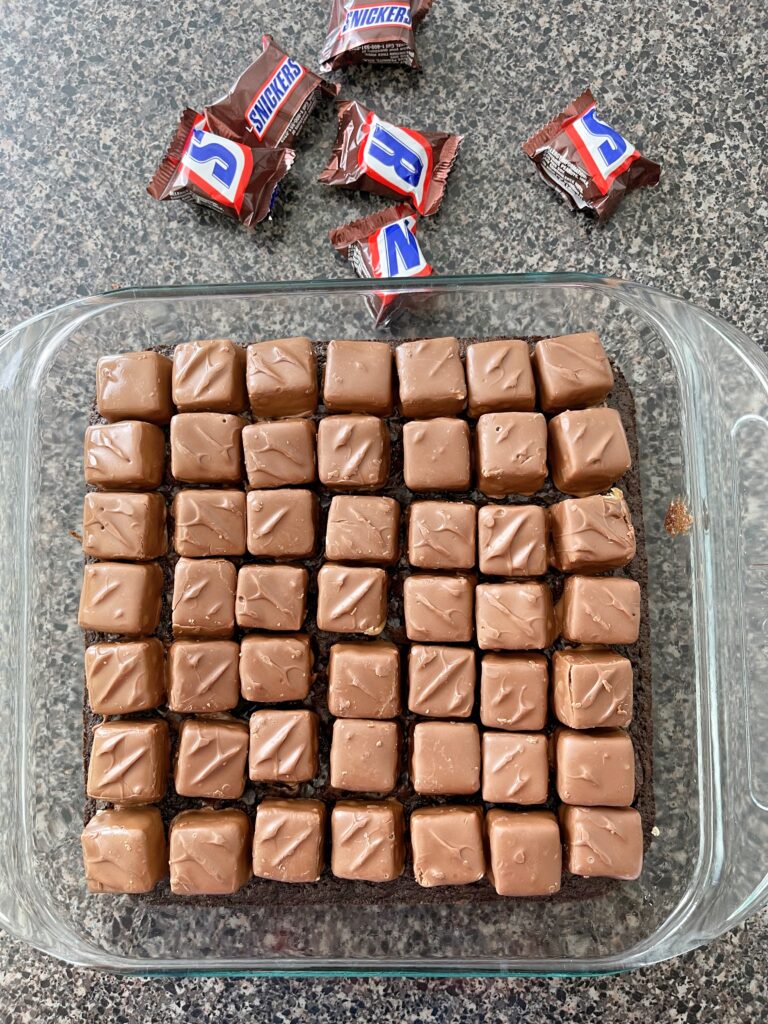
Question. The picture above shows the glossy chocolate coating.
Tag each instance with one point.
(134, 386)
(358, 377)
(445, 758)
(364, 680)
(282, 378)
(438, 609)
(525, 852)
(365, 755)
(441, 534)
(588, 450)
(129, 761)
(351, 599)
(209, 376)
(274, 669)
(514, 616)
(209, 523)
(283, 746)
(595, 769)
(279, 453)
(124, 456)
(513, 691)
(515, 768)
(431, 377)
(210, 852)
(592, 534)
(447, 845)
(591, 688)
(121, 597)
(511, 450)
(436, 455)
(125, 677)
(124, 526)
(600, 610)
(271, 597)
(211, 756)
(204, 598)
(282, 523)
(571, 371)
(512, 540)
(289, 840)
(363, 529)
(206, 447)
(124, 850)
(602, 842)
(367, 840)
(353, 452)
(441, 681)
(500, 377)
(203, 676)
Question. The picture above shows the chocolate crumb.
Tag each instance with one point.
(678, 519)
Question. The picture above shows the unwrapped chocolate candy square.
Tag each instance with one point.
(364, 680)
(121, 597)
(279, 452)
(447, 845)
(124, 456)
(274, 669)
(125, 677)
(289, 840)
(210, 852)
(134, 386)
(204, 598)
(209, 376)
(282, 378)
(367, 840)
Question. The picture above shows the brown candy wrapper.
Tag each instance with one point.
(384, 245)
(270, 102)
(589, 163)
(236, 179)
(372, 155)
(362, 32)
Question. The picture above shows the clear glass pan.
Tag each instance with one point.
(701, 390)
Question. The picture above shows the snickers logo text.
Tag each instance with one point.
(605, 152)
(266, 103)
(218, 166)
(370, 15)
(398, 158)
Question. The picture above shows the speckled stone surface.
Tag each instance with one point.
(90, 93)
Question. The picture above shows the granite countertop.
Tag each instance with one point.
(90, 94)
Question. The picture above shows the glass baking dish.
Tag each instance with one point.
(701, 390)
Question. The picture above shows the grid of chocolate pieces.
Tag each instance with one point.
(477, 614)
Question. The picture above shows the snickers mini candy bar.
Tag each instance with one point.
(373, 155)
(590, 164)
(236, 178)
(361, 32)
(270, 102)
(383, 244)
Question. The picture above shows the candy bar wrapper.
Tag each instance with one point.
(361, 32)
(236, 179)
(589, 163)
(384, 244)
(270, 102)
(372, 155)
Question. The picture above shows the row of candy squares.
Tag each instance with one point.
(576, 535)
(279, 378)
(522, 852)
(211, 596)
(591, 688)
(129, 761)
(586, 452)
